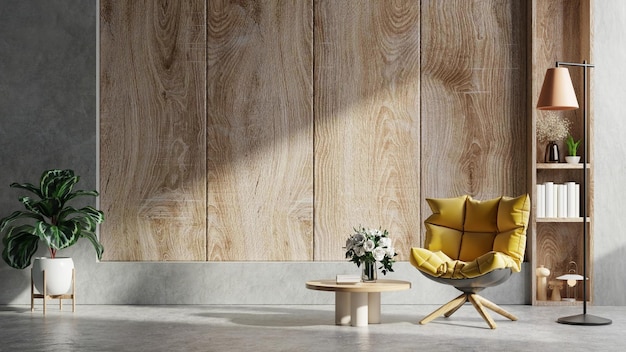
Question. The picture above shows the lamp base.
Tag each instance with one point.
(584, 319)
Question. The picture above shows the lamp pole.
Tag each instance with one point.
(583, 319)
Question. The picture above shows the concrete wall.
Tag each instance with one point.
(48, 120)
(609, 94)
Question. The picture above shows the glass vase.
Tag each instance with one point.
(369, 273)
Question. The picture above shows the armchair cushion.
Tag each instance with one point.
(438, 264)
(466, 238)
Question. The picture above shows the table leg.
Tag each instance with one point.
(373, 307)
(358, 309)
(342, 308)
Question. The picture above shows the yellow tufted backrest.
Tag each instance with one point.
(464, 228)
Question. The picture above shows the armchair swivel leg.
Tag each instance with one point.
(479, 303)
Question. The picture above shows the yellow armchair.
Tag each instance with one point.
(472, 245)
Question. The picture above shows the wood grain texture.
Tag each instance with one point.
(367, 122)
(558, 245)
(562, 31)
(314, 116)
(260, 130)
(473, 97)
(152, 130)
(559, 38)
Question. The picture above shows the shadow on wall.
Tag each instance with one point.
(370, 74)
(15, 285)
(260, 125)
(63, 133)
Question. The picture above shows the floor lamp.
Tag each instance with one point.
(557, 93)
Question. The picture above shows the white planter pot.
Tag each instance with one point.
(572, 159)
(58, 275)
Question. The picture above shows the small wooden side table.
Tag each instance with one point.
(358, 304)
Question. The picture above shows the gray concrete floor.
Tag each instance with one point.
(298, 328)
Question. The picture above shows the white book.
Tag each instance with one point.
(558, 200)
(562, 201)
(549, 199)
(555, 200)
(571, 200)
(577, 202)
(541, 201)
(348, 279)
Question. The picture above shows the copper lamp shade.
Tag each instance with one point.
(557, 92)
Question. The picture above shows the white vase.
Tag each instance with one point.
(572, 159)
(58, 275)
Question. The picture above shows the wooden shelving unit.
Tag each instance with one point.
(554, 242)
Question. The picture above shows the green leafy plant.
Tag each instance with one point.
(47, 218)
(572, 145)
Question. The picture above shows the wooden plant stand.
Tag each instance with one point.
(46, 296)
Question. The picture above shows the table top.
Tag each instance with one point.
(380, 285)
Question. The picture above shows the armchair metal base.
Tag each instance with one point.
(480, 303)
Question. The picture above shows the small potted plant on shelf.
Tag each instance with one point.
(50, 220)
(551, 128)
(572, 148)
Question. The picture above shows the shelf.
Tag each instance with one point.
(560, 303)
(561, 166)
(562, 219)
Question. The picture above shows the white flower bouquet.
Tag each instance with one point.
(371, 245)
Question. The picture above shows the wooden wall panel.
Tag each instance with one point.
(260, 130)
(366, 122)
(242, 129)
(152, 130)
(474, 105)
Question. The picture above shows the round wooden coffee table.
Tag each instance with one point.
(358, 304)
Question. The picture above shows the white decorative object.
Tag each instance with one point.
(558, 200)
(571, 278)
(572, 159)
(550, 201)
(542, 283)
(348, 279)
(58, 275)
(561, 201)
(571, 200)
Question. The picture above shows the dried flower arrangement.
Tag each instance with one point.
(552, 127)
